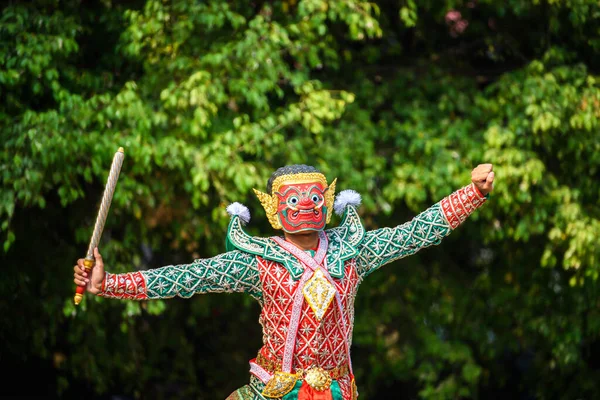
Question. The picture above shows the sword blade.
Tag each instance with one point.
(107, 197)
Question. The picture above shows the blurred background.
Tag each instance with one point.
(397, 99)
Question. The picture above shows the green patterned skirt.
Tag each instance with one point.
(249, 392)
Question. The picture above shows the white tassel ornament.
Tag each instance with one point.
(240, 210)
(346, 198)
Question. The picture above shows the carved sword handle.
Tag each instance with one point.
(109, 190)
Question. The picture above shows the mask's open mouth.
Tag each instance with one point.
(312, 210)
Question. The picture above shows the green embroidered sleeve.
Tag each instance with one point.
(234, 271)
(382, 246)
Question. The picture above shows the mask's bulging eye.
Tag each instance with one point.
(315, 198)
(293, 200)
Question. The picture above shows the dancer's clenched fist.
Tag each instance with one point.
(483, 177)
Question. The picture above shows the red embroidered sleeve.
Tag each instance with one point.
(131, 285)
(460, 204)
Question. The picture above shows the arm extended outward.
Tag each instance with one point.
(233, 271)
(382, 246)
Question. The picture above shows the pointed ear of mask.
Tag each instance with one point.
(329, 196)
(269, 203)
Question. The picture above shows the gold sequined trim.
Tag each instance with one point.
(266, 363)
(303, 177)
(274, 366)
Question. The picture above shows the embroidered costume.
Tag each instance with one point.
(306, 297)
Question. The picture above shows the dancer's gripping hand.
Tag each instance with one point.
(483, 177)
(93, 283)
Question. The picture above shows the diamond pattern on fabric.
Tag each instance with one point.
(318, 343)
(234, 271)
(343, 242)
(266, 248)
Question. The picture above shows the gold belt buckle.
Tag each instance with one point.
(318, 378)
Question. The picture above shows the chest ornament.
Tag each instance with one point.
(319, 294)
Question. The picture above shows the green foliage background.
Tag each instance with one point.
(398, 99)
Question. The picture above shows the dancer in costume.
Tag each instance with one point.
(305, 281)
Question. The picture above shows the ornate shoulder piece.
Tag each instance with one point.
(238, 239)
(344, 240)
